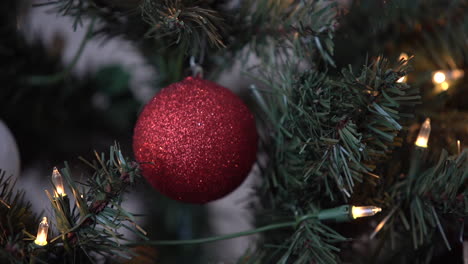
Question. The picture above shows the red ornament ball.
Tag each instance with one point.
(196, 141)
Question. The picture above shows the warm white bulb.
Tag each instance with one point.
(457, 74)
(364, 211)
(41, 238)
(404, 56)
(438, 77)
(444, 86)
(424, 133)
(58, 183)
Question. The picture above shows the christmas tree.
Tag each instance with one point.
(348, 119)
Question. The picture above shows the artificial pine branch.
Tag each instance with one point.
(15, 218)
(337, 129)
(88, 222)
(94, 222)
(187, 23)
(327, 133)
(425, 206)
(196, 27)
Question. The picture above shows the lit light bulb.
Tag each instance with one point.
(424, 133)
(401, 80)
(443, 80)
(457, 74)
(58, 183)
(41, 238)
(458, 147)
(364, 211)
(444, 86)
(438, 77)
(403, 56)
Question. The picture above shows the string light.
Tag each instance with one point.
(346, 213)
(438, 77)
(444, 79)
(364, 211)
(58, 183)
(403, 57)
(457, 74)
(41, 238)
(424, 132)
(458, 147)
(444, 86)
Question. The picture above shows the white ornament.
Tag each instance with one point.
(9, 154)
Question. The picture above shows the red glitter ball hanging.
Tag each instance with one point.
(196, 141)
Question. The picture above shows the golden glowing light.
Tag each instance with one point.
(457, 74)
(444, 86)
(364, 211)
(404, 56)
(41, 238)
(438, 77)
(443, 80)
(424, 133)
(58, 183)
(382, 223)
(380, 226)
(458, 147)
